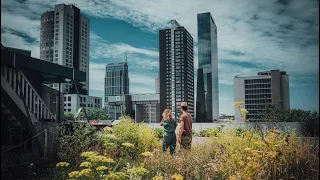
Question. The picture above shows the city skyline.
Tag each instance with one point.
(249, 41)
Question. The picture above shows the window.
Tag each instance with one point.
(69, 98)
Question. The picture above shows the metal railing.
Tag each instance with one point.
(26, 92)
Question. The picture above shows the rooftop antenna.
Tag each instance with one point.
(126, 57)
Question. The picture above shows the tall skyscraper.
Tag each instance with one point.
(271, 87)
(157, 84)
(116, 83)
(208, 62)
(64, 40)
(176, 69)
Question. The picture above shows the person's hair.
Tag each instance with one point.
(167, 115)
(185, 108)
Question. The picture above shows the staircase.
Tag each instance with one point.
(21, 91)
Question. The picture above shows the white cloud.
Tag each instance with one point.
(281, 37)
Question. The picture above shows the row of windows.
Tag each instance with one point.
(256, 86)
(258, 96)
(258, 91)
(255, 81)
(260, 106)
(258, 101)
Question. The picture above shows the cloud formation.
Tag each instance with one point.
(252, 35)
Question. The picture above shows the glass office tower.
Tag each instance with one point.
(208, 62)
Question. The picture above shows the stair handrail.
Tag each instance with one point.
(18, 71)
(36, 93)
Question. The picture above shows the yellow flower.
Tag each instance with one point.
(89, 154)
(128, 145)
(147, 154)
(62, 164)
(244, 111)
(157, 178)
(73, 174)
(85, 173)
(103, 159)
(237, 104)
(107, 129)
(177, 176)
(138, 171)
(110, 136)
(259, 143)
(86, 164)
(101, 168)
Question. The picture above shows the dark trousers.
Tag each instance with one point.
(186, 141)
(169, 139)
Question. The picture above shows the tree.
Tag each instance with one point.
(68, 116)
(93, 114)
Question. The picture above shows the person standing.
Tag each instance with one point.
(169, 137)
(185, 132)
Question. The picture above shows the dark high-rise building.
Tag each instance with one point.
(208, 62)
(176, 69)
(201, 106)
(116, 83)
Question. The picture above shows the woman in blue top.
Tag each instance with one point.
(169, 137)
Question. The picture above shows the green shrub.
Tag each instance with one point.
(210, 132)
(159, 132)
(93, 114)
(140, 135)
(76, 139)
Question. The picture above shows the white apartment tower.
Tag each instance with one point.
(64, 40)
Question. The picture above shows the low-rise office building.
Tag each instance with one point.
(72, 102)
(141, 107)
(257, 92)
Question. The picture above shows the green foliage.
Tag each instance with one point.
(140, 135)
(210, 132)
(159, 132)
(68, 116)
(239, 131)
(93, 114)
(76, 139)
(309, 119)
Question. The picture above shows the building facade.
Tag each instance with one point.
(208, 62)
(72, 102)
(116, 84)
(176, 69)
(64, 40)
(142, 107)
(257, 92)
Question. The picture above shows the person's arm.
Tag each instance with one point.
(161, 123)
(181, 129)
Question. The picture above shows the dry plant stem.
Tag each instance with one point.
(119, 161)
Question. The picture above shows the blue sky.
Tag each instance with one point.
(252, 36)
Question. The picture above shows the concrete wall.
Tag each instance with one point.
(202, 126)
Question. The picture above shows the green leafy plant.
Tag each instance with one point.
(68, 116)
(159, 132)
(93, 114)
